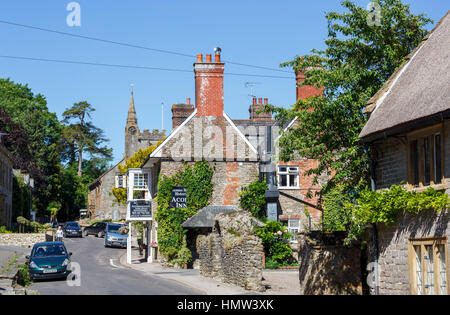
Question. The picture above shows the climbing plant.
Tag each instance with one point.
(384, 206)
(253, 199)
(135, 161)
(197, 181)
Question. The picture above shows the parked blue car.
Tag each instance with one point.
(48, 261)
(113, 237)
(72, 229)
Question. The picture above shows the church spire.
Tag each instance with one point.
(131, 130)
(132, 117)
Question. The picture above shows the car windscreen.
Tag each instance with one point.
(72, 225)
(49, 250)
(114, 228)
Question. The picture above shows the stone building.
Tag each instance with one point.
(408, 133)
(235, 148)
(101, 202)
(6, 186)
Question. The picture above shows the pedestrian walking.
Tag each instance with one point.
(59, 234)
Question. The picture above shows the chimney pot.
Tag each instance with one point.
(208, 58)
(254, 101)
(217, 58)
(188, 100)
(200, 58)
(260, 101)
(266, 101)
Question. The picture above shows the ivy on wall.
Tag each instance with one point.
(384, 206)
(253, 199)
(198, 182)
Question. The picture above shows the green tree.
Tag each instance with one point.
(39, 153)
(358, 58)
(82, 135)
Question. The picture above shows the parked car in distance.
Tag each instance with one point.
(48, 261)
(72, 229)
(97, 228)
(113, 238)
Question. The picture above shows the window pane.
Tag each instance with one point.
(437, 159)
(283, 180)
(426, 160)
(282, 169)
(414, 152)
(430, 269)
(418, 252)
(442, 270)
(292, 180)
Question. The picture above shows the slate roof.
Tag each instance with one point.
(420, 88)
(205, 216)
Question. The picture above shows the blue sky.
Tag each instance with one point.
(264, 33)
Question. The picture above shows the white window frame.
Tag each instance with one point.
(291, 170)
(124, 181)
(291, 229)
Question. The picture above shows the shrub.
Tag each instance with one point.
(4, 230)
(275, 239)
(253, 199)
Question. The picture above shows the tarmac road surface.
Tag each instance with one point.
(102, 274)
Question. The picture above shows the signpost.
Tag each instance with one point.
(140, 210)
(179, 197)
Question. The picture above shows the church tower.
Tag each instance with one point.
(131, 131)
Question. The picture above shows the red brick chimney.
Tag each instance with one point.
(209, 86)
(259, 106)
(180, 112)
(305, 91)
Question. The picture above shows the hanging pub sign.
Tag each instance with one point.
(139, 210)
(179, 197)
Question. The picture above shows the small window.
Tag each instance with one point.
(428, 266)
(288, 177)
(294, 228)
(425, 159)
(140, 181)
(121, 181)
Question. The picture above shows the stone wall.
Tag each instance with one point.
(23, 239)
(393, 241)
(230, 253)
(101, 202)
(328, 267)
(391, 163)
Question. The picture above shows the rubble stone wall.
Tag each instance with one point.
(328, 267)
(231, 254)
(22, 239)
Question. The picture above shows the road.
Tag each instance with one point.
(102, 274)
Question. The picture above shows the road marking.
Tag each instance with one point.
(112, 263)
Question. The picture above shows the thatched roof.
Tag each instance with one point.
(420, 88)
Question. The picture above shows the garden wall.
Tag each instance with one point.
(328, 267)
(231, 254)
(24, 239)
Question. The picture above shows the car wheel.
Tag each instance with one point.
(85, 233)
(100, 234)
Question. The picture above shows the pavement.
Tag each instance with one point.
(277, 282)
